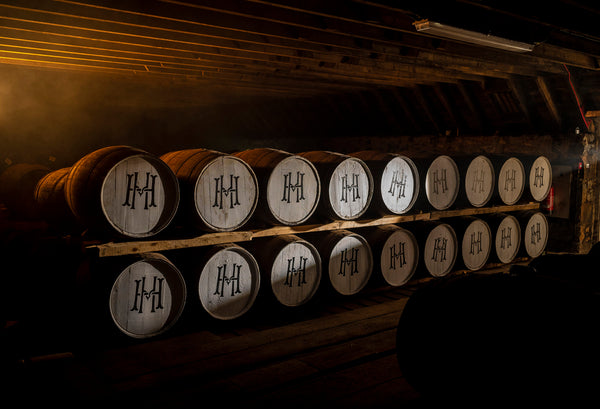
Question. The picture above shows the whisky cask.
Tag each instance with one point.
(475, 237)
(442, 182)
(17, 189)
(396, 252)
(347, 260)
(396, 181)
(290, 187)
(147, 297)
(506, 231)
(290, 266)
(511, 180)
(347, 185)
(227, 281)
(219, 192)
(539, 181)
(49, 196)
(534, 231)
(480, 181)
(122, 190)
(439, 247)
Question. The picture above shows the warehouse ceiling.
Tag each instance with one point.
(367, 49)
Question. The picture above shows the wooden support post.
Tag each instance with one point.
(589, 219)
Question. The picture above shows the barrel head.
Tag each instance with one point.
(350, 189)
(229, 283)
(147, 298)
(350, 264)
(440, 250)
(296, 273)
(399, 257)
(399, 185)
(508, 239)
(535, 234)
(476, 244)
(540, 178)
(442, 182)
(226, 193)
(511, 181)
(480, 181)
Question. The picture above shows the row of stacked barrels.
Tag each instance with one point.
(149, 293)
(132, 193)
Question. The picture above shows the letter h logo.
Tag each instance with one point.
(142, 295)
(288, 187)
(350, 188)
(231, 191)
(397, 256)
(233, 280)
(398, 183)
(439, 249)
(292, 271)
(133, 188)
(350, 262)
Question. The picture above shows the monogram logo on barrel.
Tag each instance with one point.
(505, 235)
(221, 192)
(475, 244)
(232, 281)
(292, 271)
(538, 181)
(143, 295)
(439, 181)
(133, 188)
(536, 234)
(288, 187)
(398, 184)
(397, 256)
(350, 188)
(439, 249)
(510, 181)
(349, 261)
(478, 182)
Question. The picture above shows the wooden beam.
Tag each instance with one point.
(545, 92)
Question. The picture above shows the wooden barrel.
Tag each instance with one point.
(290, 187)
(506, 231)
(442, 182)
(396, 181)
(17, 188)
(148, 296)
(347, 259)
(228, 281)
(347, 184)
(50, 199)
(219, 192)
(291, 265)
(534, 231)
(439, 247)
(480, 181)
(476, 241)
(398, 252)
(122, 190)
(540, 177)
(511, 180)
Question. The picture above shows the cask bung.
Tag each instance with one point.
(291, 266)
(347, 185)
(442, 182)
(219, 192)
(511, 181)
(290, 187)
(396, 181)
(17, 188)
(147, 297)
(397, 250)
(227, 281)
(122, 190)
(480, 181)
(347, 260)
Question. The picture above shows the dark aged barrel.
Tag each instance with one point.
(397, 250)
(442, 182)
(480, 181)
(17, 188)
(511, 180)
(290, 187)
(123, 190)
(228, 281)
(50, 199)
(540, 177)
(396, 181)
(439, 247)
(219, 192)
(476, 240)
(148, 296)
(534, 231)
(292, 267)
(506, 231)
(347, 259)
(347, 184)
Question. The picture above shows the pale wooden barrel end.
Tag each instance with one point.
(399, 257)
(399, 185)
(508, 239)
(440, 250)
(350, 263)
(350, 189)
(535, 235)
(442, 182)
(540, 178)
(476, 244)
(480, 181)
(511, 181)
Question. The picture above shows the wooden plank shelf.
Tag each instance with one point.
(111, 249)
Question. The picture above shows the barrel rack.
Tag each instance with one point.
(111, 249)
